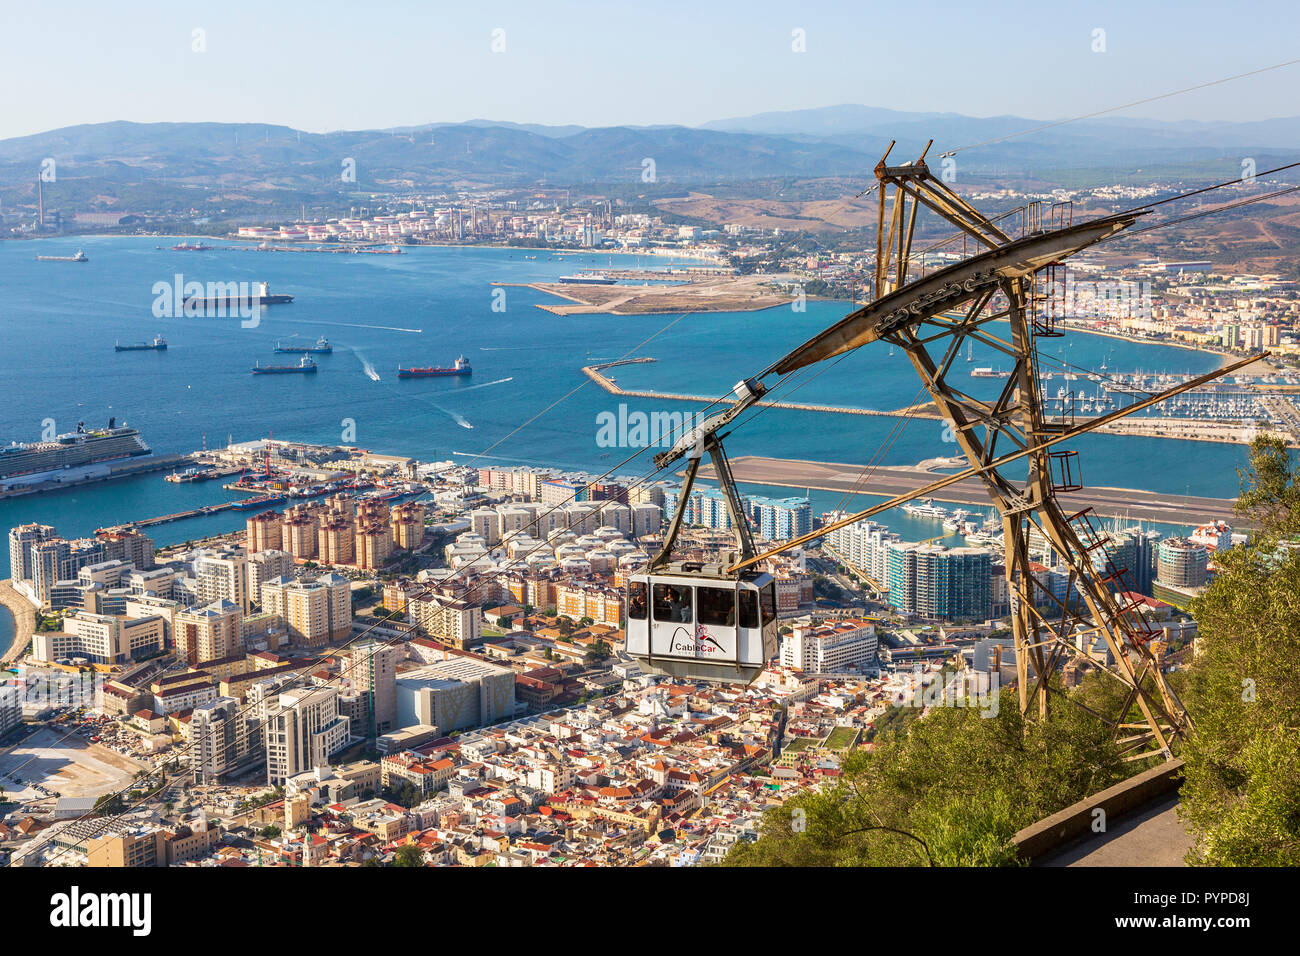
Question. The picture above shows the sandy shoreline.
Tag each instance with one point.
(24, 621)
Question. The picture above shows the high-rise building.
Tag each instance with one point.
(336, 540)
(223, 576)
(298, 534)
(262, 532)
(21, 541)
(936, 582)
(129, 545)
(225, 736)
(373, 545)
(208, 633)
(315, 611)
(1181, 563)
(372, 673)
(780, 519)
(301, 729)
(407, 525)
(266, 566)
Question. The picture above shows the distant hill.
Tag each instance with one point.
(248, 169)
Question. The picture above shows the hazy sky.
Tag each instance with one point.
(347, 64)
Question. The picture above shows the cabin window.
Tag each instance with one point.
(672, 603)
(748, 608)
(767, 598)
(636, 601)
(717, 606)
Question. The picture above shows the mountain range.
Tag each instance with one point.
(838, 141)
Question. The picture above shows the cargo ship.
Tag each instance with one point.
(159, 344)
(72, 450)
(305, 365)
(261, 295)
(79, 257)
(461, 367)
(322, 346)
(595, 278)
(261, 501)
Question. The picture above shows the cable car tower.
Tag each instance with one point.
(933, 318)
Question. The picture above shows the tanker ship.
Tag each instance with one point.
(461, 367)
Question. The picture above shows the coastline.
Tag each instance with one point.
(24, 621)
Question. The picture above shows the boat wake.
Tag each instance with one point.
(366, 366)
(499, 381)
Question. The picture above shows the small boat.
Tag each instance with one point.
(159, 344)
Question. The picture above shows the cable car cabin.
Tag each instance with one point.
(696, 622)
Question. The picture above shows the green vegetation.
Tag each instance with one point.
(600, 651)
(1241, 796)
(841, 738)
(952, 791)
(408, 854)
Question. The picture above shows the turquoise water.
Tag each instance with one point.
(60, 321)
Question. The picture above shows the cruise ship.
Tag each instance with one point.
(72, 450)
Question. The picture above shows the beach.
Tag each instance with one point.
(24, 621)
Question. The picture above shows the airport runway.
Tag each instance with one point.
(889, 482)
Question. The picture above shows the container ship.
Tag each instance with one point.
(79, 257)
(322, 346)
(304, 366)
(159, 344)
(591, 279)
(462, 367)
(72, 450)
(261, 295)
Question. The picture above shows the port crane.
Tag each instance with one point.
(700, 621)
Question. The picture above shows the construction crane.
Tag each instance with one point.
(694, 621)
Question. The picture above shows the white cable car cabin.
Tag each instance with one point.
(696, 622)
(703, 621)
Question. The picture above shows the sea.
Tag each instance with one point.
(527, 402)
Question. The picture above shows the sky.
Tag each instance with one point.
(321, 65)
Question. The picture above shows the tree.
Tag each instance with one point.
(600, 651)
(270, 831)
(1242, 773)
(408, 854)
(109, 804)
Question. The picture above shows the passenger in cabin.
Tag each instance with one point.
(637, 609)
(679, 605)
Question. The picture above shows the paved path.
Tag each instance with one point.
(1153, 837)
